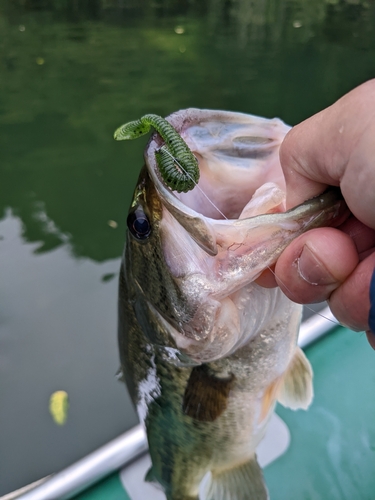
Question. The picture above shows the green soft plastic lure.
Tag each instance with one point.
(177, 164)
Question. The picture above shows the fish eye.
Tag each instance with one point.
(138, 224)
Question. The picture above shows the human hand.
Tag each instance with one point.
(334, 147)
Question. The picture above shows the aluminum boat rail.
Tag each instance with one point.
(130, 445)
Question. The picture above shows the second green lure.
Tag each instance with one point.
(177, 164)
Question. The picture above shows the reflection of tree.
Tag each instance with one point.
(73, 70)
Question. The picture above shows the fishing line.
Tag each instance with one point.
(196, 184)
(305, 305)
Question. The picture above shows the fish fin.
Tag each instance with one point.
(206, 395)
(150, 477)
(296, 390)
(120, 375)
(244, 482)
(181, 496)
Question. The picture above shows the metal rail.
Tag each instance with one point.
(122, 450)
(90, 469)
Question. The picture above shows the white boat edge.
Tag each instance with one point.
(128, 446)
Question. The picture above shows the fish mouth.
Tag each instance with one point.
(219, 237)
(237, 154)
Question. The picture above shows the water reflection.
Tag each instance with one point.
(57, 332)
(74, 70)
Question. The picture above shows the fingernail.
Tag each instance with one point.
(311, 269)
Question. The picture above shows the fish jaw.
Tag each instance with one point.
(195, 273)
(218, 286)
(218, 238)
(236, 213)
(246, 247)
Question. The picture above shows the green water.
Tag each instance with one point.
(102, 63)
(71, 72)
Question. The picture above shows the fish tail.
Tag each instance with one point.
(169, 493)
(180, 495)
(244, 482)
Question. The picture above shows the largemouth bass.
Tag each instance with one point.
(205, 351)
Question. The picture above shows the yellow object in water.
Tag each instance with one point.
(58, 407)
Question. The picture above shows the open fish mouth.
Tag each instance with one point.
(220, 236)
(240, 177)
(237, 153)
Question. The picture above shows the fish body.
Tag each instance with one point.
(205, 351)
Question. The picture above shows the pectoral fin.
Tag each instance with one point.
(149, 477)
(296, 389)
